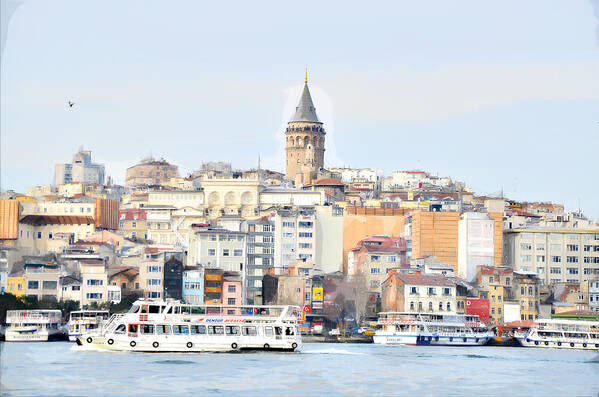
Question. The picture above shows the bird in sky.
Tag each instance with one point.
(71, 104)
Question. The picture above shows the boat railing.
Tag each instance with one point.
(20, 316)
(113, 321)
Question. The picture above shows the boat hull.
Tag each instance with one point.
(34, 335)
(558, 344)
(431, 340)
(183, 344)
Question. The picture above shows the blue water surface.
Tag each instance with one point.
(64, 369)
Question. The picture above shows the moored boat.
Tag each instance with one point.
(431, 329)
(86, 321)
(33, 325)
(562, 334)
(157, 326)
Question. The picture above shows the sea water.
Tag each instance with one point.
(62, 368)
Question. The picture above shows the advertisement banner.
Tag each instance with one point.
(317, 294)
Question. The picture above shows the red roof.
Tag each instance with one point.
(92, 262)
(384, 248)
(132, 215)
(329, 182)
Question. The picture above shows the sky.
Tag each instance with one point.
(499, 95)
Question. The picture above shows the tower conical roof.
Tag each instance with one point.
(305, 110)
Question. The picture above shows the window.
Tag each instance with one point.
(391, 258)
(239, 238)
(540, 270)
(555, 270)
(231, 288)
(448, 306)
(198, 329)
(413, 290)
(225, 252)
(49, 285)
(572, 270)
(525, 246)
(32, 285)
(237, 252)
(163, 329)
(95, 282)
(430, 306)
(133, 224)
(94, 295)
(507, 281)
(154, 269)
(232, 330)
(120, 329)
(420, 306)
(431, 291)
(213, 237)
(540, 258)
(180, 330)
(39, 235)
(307, 297)
(540, 246)
(556, 259)
(375, 270)
(375, 258)
(588, 248)
(211, 252)
(249, 331)
(305, 224)
(412, 305)
(288, 235)
(216, 330)
(230, 301)
(288, 224)
(154, 281)
(526, 258)
(73, 288)
(572, 247)
(446, 291)
(305, 234)
(572, 259)
(305, 245)
(146, 328)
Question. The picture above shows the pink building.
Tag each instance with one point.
(232, 290)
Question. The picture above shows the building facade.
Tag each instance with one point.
(418, 293)
(260, 256)
(150, 171)
(80, 170)
(295, 235)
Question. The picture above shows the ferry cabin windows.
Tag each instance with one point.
(163, 329)
(146, 328)
(120, 329)
(132, 328)
(180, 330)
(198, 329)
(249, 331)
(268, 331)
(216, 330)
(232, 330)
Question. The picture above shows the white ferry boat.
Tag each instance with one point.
(158, 326)
(33, 325)
(562, 334)
(431, 329)
(86, 321)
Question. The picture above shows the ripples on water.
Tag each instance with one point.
(63, 368)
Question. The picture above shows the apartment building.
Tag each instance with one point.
(132, 223)
(94, 282)
(260, 255)
(150, 171)
(418, 293)
(42, 280)
(82, 169)
(218, 248)
(193, 285)
(295, 235)
(556, 255)
(496, 284)
(151, 273)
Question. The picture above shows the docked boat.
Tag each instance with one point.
(158, 326)
(33, 325)
(562, 334)
(431, 329)
(86, 321)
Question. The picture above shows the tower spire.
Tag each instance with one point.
(306, 81)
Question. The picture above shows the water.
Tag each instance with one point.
(61, 368)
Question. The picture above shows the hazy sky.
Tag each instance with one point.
(498, 94)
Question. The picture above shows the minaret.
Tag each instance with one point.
(304, 141)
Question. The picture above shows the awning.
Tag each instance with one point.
(41, 220)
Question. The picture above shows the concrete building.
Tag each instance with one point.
(232, 293)
(150, 171)
(295, 235)
(495, 284)
(80, 170)
(526, 291)
(555, 254)
(216, 248)
(418, 293)
(42, 280)
(193, 285)
(304, 139)
(173, 275)
(328, 235)
(151, 273)
(260, 255)
(476, 238)
(70, 289)
(591, 289)
(132, 223)
(94, 282)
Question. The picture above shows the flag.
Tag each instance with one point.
(307, 309)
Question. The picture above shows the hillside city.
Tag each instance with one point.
(346, 243)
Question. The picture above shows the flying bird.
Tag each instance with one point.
(71, 104)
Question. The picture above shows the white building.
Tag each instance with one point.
(80, 170)
(557, 255)
(329, 244)
(295, 236)
(215, 248)
(476, 237)
(349, 175)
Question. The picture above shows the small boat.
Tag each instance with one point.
(431, 329)
(33, 325)
(562, 334)
(86, 321)
(172, 326)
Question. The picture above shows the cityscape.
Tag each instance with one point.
(409, 268)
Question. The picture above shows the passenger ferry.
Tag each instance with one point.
(431, 329)
(158, 326)
(33, 325)
(86, 321)
(562, 334)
